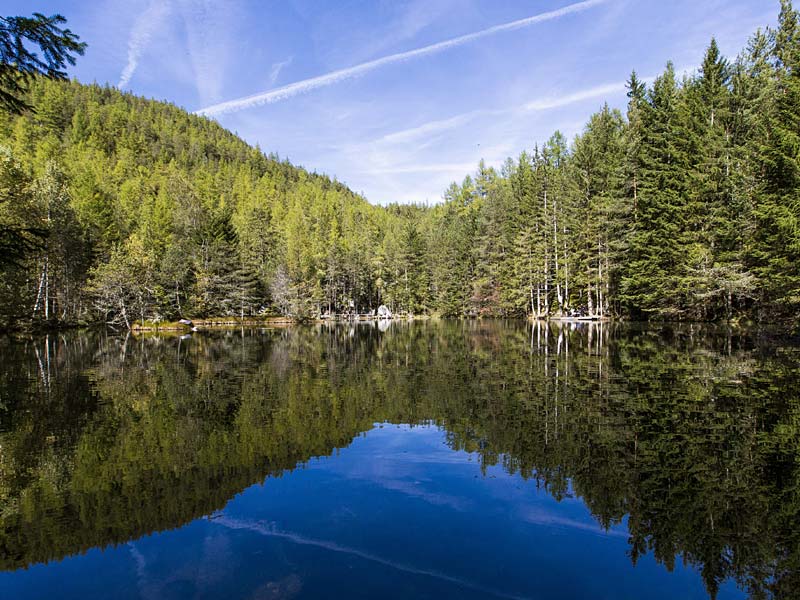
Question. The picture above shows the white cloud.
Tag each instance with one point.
(422, 168)
(414, 16)
(587, 94)
(313, 83)
(540, 104)
(430, 128)
(141, 34)
(276, 69)
(209, 27)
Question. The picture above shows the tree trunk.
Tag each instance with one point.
(125, 314)
(38, 294)
(559, 295)
(46, 288)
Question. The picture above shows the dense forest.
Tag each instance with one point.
(687, 207)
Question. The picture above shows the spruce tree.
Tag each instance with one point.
(776, 243)
(651, 285)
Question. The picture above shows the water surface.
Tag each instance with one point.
(430, 460)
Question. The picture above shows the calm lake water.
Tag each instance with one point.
(429, 460)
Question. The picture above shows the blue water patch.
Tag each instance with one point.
(396, 514)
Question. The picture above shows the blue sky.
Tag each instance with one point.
(402, 128)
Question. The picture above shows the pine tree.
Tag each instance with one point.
(452, 242)
(528, 274)
(493, 241)
(776, 243)
(19, 64)
(601, 218)
(412, 284)
(710, 235)
(651, 285)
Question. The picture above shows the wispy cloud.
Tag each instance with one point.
(545, 518)
(276, 69)
(394, 156)
(421, 168)
(430, 128)
(270, 531)
(313, 83)
(209, 28)
(587, 94)
(141, 35)
(439, 126)
(537, 105)
(413, 16)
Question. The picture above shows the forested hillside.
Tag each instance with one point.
(150, 212)
(685, 207)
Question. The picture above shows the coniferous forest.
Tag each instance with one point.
(684, 207)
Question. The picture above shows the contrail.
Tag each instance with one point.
(558, 102)
(538, 105)
(265, 530)
(301, 87)
(140, 37)
(277, 68)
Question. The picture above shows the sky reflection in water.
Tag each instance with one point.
(283, 464)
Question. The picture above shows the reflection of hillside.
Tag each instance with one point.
(692, 434)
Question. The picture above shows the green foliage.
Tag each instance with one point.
(168, 215)
(651, 282)
(775, 150)
(18, 63)
(687, 207)
(19, 233)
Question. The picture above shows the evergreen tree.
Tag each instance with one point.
(651, 284)
(19, 64)
(776, 243)
(597, 164)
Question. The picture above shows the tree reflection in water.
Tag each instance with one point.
(691, 432)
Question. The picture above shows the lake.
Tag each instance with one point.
(411, 460)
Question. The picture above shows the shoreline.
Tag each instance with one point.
(283, 322)
(557, 319)
(212, 322)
